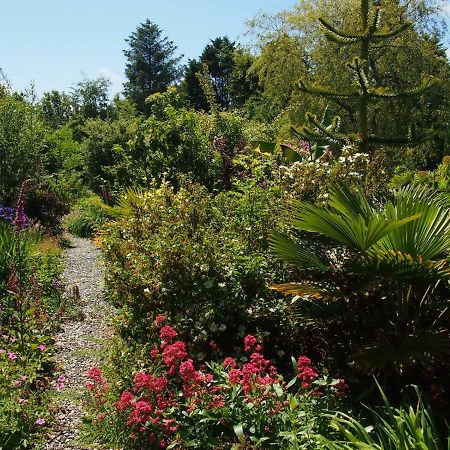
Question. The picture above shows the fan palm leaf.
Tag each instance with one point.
(292, 252)
(427, 237)
(351, 221)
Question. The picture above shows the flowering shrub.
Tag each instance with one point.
(308, 180)
(172, 403)
(30, 300)
(203, 261)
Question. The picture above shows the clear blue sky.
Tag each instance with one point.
(55, 42)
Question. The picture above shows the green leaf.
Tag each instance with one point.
(239, 431)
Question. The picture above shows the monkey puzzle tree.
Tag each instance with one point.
(366, 87)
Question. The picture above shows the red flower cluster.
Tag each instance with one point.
(306, 373)
(167, 334)
(157, 403)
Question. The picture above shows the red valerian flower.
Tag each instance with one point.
(126, 399)
(187, 370)
(174, 353)
(229, 362)
(154, 352)
(234, 376)
(160, 319)
(167, 334)
(250, 342)
(95, 374)
(303, 361)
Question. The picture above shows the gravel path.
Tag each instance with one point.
(79, 338)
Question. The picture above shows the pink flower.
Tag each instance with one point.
(187, 370)
(250, 342)
(40, 422)
(154, 352)
(174, 353)
(41, 347)
(229, 362)
(12, 356)
(167, 333)
(22, 401)
(160, 319)
(303, 361)
(95, 374)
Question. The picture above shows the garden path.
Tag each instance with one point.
(79, 340)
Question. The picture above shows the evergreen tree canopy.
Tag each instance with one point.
(227, 66)
(151, 65)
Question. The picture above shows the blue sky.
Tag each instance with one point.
(57, 42)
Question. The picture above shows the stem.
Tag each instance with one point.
(363, 107)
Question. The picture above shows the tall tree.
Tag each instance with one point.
(91, 98)
(294, 46)
(57, 108)
(227, 66)
(366, 88)
(151, 63)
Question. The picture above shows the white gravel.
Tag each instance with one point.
(79, 340)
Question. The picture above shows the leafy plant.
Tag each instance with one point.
(377, 271)
(391, 428)
(87, 217)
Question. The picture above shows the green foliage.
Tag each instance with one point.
(199, 259)
(57, 108)
(151, 65)
(22, 143)
(377, 263)
(227, 67)
(90, 98)
(391, 428)
(294, 46)
(171, 142)
(87, 217)
(104, 144)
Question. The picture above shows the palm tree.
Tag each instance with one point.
(380, 273)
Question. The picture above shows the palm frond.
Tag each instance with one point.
(394, 264)
(126, 203)
(294, 253)
(306, 290)
(429, 235)
(350, 225)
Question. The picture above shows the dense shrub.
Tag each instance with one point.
(312, 180)
(22, 143)
(86, 217)
(201, 260)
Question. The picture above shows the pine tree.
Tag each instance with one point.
(365, 90)
(151, 66)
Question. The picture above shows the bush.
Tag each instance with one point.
(22, 144)
(201, 260)
(169, 403)
(87, 217)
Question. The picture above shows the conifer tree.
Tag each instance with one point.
(364, 90)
